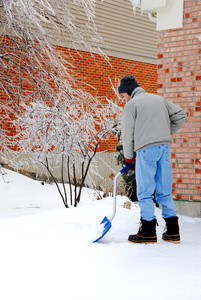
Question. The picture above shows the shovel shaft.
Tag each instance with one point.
(114, 196)
(115, 190)
(106, 223)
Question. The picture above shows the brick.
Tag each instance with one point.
(181, 85)
(173, 79)
(178, 73)
(85, 66)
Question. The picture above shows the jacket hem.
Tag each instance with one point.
(152, 145)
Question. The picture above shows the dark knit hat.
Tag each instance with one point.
(128, 84)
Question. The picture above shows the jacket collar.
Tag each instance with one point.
(137, 91)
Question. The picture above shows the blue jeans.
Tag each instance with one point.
(154, 174)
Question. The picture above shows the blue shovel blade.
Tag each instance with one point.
(104, 227)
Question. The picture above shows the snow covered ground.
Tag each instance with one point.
(46, 250)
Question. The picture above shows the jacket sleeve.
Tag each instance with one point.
(177, 116)
(127, 131)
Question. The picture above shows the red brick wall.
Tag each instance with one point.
(96, 72)
(179, 81)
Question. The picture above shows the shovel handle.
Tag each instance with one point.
(115, 189)
(126, 168)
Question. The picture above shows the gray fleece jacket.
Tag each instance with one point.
(149, 120)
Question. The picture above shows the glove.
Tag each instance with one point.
(131, 160)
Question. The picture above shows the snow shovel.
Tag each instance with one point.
(106, 224)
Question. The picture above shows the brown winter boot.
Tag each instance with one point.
(172, 230)
(146, 233)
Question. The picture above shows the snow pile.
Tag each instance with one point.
(47, 251)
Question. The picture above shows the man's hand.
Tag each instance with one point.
(131, 160)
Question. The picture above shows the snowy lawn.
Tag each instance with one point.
(47, 252)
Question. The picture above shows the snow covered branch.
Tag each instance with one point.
(54, 118)
(67, 134)
(31, 67)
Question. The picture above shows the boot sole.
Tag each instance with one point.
(172, 241)
(171, 238)
(148, 242)
(140, 241)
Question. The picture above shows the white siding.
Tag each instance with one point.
(125, 34)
